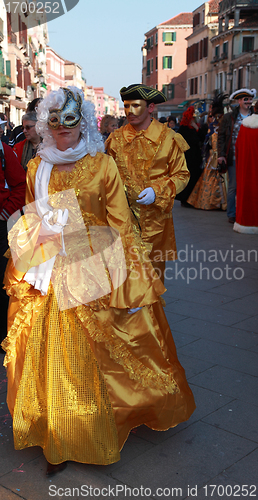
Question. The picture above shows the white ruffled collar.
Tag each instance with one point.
(251, 121)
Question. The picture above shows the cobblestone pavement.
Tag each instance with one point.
(212, 296)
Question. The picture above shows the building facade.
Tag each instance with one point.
(163, 66)
(73, 75)
(200, 54)
(24, 70)
(55, 70)
(235, 48)
(105, 104)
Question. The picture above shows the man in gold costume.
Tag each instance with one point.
(89, 352)
(151, 161)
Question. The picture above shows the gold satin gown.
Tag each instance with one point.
(79, 379)
(152, 158)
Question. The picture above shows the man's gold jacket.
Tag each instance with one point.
(152, 158)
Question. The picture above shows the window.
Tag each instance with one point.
(225, 49)
(19, 69)
(148, 67)
(193, 53)
(201, 49)
(240, 77)
(1, 63)
(248, 44)
(234, 80)
(167, 62)
(247, 76)
(220, 82)
(156, 38)
(188, 88)
(194, 86)
(150, 42)
(169, 37)
(169, 90)
(217, 51)
(152, 65)
(156, 59)
(205, 47)
(196, 19)
(164, 90)
(224, 88)
(205, 83)
(9, 25)
(200, 84)
(203, 16)
(8, 68)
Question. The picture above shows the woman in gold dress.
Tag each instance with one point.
(209, 192)
(89, 352)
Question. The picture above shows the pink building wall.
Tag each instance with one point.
(100, 101)
(158, 77)
(55, 70)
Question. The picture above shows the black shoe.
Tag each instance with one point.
(53, 469)
(232, 220)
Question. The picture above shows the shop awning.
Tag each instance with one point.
(183, 104)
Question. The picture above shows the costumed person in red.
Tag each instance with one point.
(12, 198)
(247, 175)
(191, 132)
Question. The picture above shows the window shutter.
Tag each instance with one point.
(1, 63)
(205, 47)
(19, 73)
(8, 68)
(174, 36)
(171, 89)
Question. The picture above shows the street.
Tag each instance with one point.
(211, 305)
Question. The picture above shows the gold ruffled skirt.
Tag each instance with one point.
(79, 380)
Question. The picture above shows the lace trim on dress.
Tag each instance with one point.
(120, 353)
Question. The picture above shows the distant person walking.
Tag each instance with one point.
(193, 135)
(227, 136)
(26, 150)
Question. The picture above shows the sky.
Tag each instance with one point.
(105, 37)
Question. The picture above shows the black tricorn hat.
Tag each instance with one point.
(140, 91)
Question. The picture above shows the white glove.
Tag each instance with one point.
(56, 227)
(134, 310)
(147, 196)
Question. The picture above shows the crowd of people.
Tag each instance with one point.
(217, 157)
(89, 353)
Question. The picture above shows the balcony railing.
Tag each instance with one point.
(12, 38)
(229, 5)
(5, 85)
